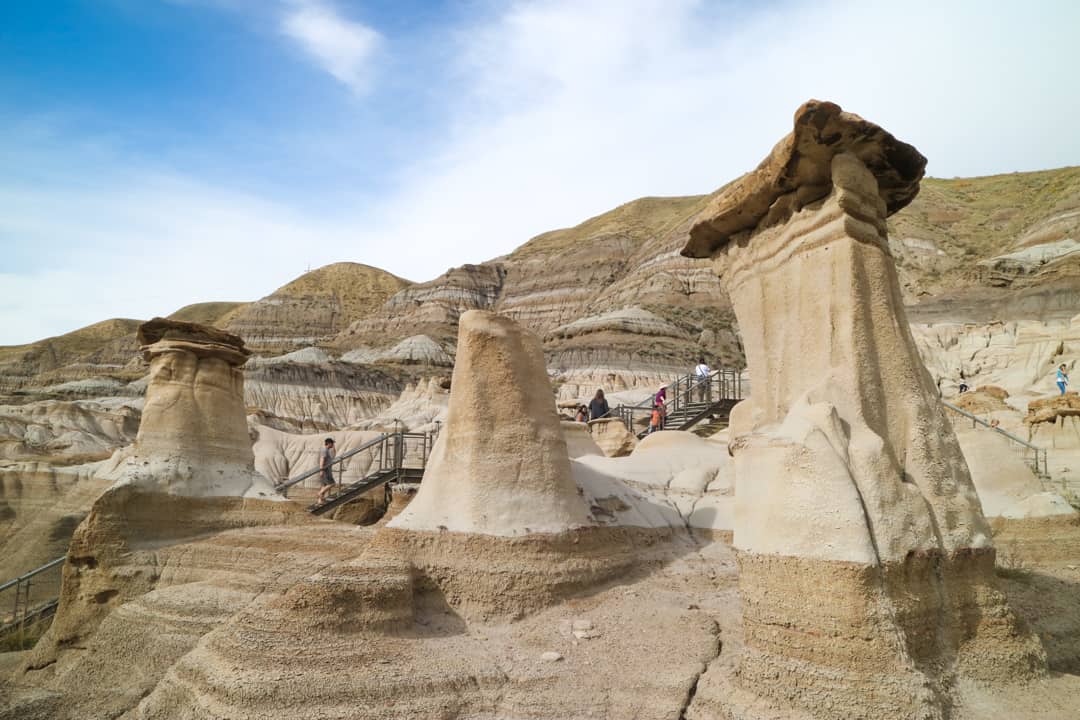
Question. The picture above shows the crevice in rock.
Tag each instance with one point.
(691, 693)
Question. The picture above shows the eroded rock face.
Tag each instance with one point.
(193, 439)
(852, 471)
(500, 466)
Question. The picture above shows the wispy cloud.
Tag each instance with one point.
(342, 47)
(550, 111)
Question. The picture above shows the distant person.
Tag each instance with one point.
(963, 385)
(326, 468)
(657, 417)
(1062, 379)
(661, 399)
(582, 414)
(701, 379)
(598, 407)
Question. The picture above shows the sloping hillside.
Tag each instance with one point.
(22, 364)
(217, 314)
(1003, 246)
(616, 302)
(314, 307)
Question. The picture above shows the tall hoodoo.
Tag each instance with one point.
(193, 439)
(500, 466)
(856, 519)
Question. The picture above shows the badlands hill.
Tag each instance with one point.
(306, 311)
(314, 307)
(612, 298)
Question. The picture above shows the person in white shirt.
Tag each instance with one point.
(1062, 379)
(701, 376)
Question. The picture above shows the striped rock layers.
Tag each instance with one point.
(866, 565)
(193, 439)
(498, 525)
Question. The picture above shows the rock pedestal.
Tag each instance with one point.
(500, 465)
(866, 563)
(498, 526)
(193, 439)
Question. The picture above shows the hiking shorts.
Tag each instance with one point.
(326, 477)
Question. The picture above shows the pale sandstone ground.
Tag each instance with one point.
(255, 623)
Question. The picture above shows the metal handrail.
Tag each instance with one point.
(337, 460)
(728, 387)
(391, 456)
(1040, 465)
(22, 610)
(36, 571)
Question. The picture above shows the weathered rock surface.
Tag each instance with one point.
(280, 456)
(1021, 357)
(1005, 484)
(41, 504)
(67, 432)
(413, 350)
(298, 395)
(854, 480)
(500, 466)
(314, 307)
(193, 438)
(612, 437)
(419, 408)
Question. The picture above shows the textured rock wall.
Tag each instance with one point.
(1019, 356)
(500, 465)
(66, 430)
(314, 396)
(313, 308)
(852, 472)
(193, 438)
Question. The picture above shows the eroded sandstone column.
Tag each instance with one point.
(866, 563)
(498, 526)
(193, 439)
(500, 466)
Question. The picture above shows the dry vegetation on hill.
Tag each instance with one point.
(636, 221)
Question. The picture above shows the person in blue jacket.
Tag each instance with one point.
(598, 407)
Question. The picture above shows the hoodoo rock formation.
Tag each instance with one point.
(500, 466)
(193, 439)
(498, 489)
(866, 565)
(189, 474)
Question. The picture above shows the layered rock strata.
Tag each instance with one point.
(190, 473)
(193, 439)
(858, 522)
(498, 489)
(314, 307)
(310, 395)
(500, 466)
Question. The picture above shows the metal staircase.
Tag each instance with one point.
(1034, 456)
(24, 609)
(396, 457)
(690, 400)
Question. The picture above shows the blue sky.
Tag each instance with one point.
(161, 152)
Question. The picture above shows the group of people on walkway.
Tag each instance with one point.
(598, 407)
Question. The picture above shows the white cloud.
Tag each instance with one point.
(559, 110)
(342, 47)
